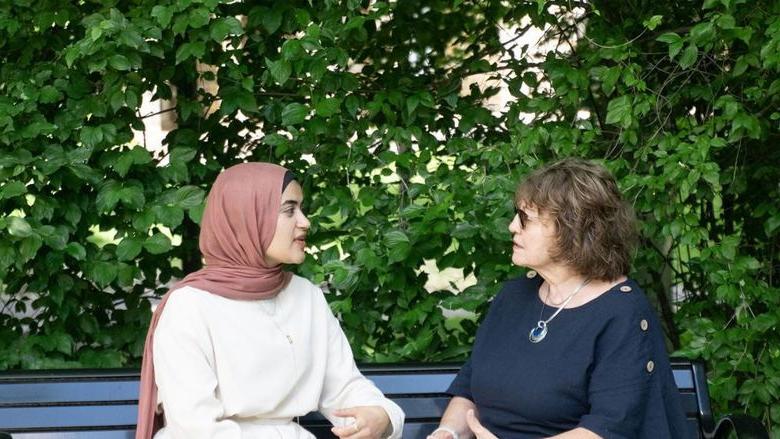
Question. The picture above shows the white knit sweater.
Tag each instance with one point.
(245, 369)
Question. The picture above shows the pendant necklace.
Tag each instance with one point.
(539, 331)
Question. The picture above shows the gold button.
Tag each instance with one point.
(531, 274)
(650, 366)
(643, 324)
(625, 289)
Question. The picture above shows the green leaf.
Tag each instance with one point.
(619, 111)
(119, 62)
(12, 189)
(726, 21)
(19, 227)
(103, 273)
(188, 197)
(292, 50)
(109, 194)
(170, 216)
(609, 77)
(190, 50)
(122, 164)
(411, 104)
(29, 248)
(132, 196)
(183, 154)
(72, 214)
(91, 136)
(748, 123)
(76, 251)
(653, 22)
(58, 342)
(236, 98)
(157, 244)
(294, 114)
(674, 41)
(222, 27)
(199, 17)
(771, 225)
(352, 103)
(128, 249)
(56, 238)
(328, 107)
(540, 6)
(689, 56)
(163, 15)
(49, 94)
(280, 70)
(465, 231)
(702, 33)
(398, 245)
(143, 221)
(272, 20)
(669, 38)
(196, 213)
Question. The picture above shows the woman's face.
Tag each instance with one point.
(533, 236)
(289, 242)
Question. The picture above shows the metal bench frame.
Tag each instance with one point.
(102, 404)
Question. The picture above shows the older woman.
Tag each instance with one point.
(573, 349)
(241, 348)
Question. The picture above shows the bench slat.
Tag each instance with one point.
(101, 434)
(13, 418)
(84, 416)
(60, 392)
(105, 401)
(47, 392)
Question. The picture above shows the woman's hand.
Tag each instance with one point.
(479, 431)
(371, 422)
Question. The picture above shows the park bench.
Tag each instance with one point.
(101, 404)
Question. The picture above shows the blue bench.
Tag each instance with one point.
(101, 404)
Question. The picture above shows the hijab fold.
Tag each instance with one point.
(238, 224)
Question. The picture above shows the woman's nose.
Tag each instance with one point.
(303, 222)
(514, 225)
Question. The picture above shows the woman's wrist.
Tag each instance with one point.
(450, 433)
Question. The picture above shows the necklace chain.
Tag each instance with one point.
(539, 331)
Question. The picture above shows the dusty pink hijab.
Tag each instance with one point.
(238, 224)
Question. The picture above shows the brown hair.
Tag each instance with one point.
(596, 228)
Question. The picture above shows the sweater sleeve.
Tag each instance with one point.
(620, 376)
(345, 386)
(461, 385)
(186, 382)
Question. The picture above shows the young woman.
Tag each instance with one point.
(241, 348)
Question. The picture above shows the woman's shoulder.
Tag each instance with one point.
(185, 307)
(520, 288)
(188, 297)
(302, 289)
(625, 297)
(300, 286)
(625, 307)
(301, 283)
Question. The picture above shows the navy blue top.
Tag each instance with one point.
(603, 366)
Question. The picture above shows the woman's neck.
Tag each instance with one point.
(563, 281)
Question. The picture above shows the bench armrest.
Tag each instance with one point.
(743, 426)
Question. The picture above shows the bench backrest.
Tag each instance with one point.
(102, 404)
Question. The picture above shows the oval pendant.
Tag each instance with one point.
(538, 333)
